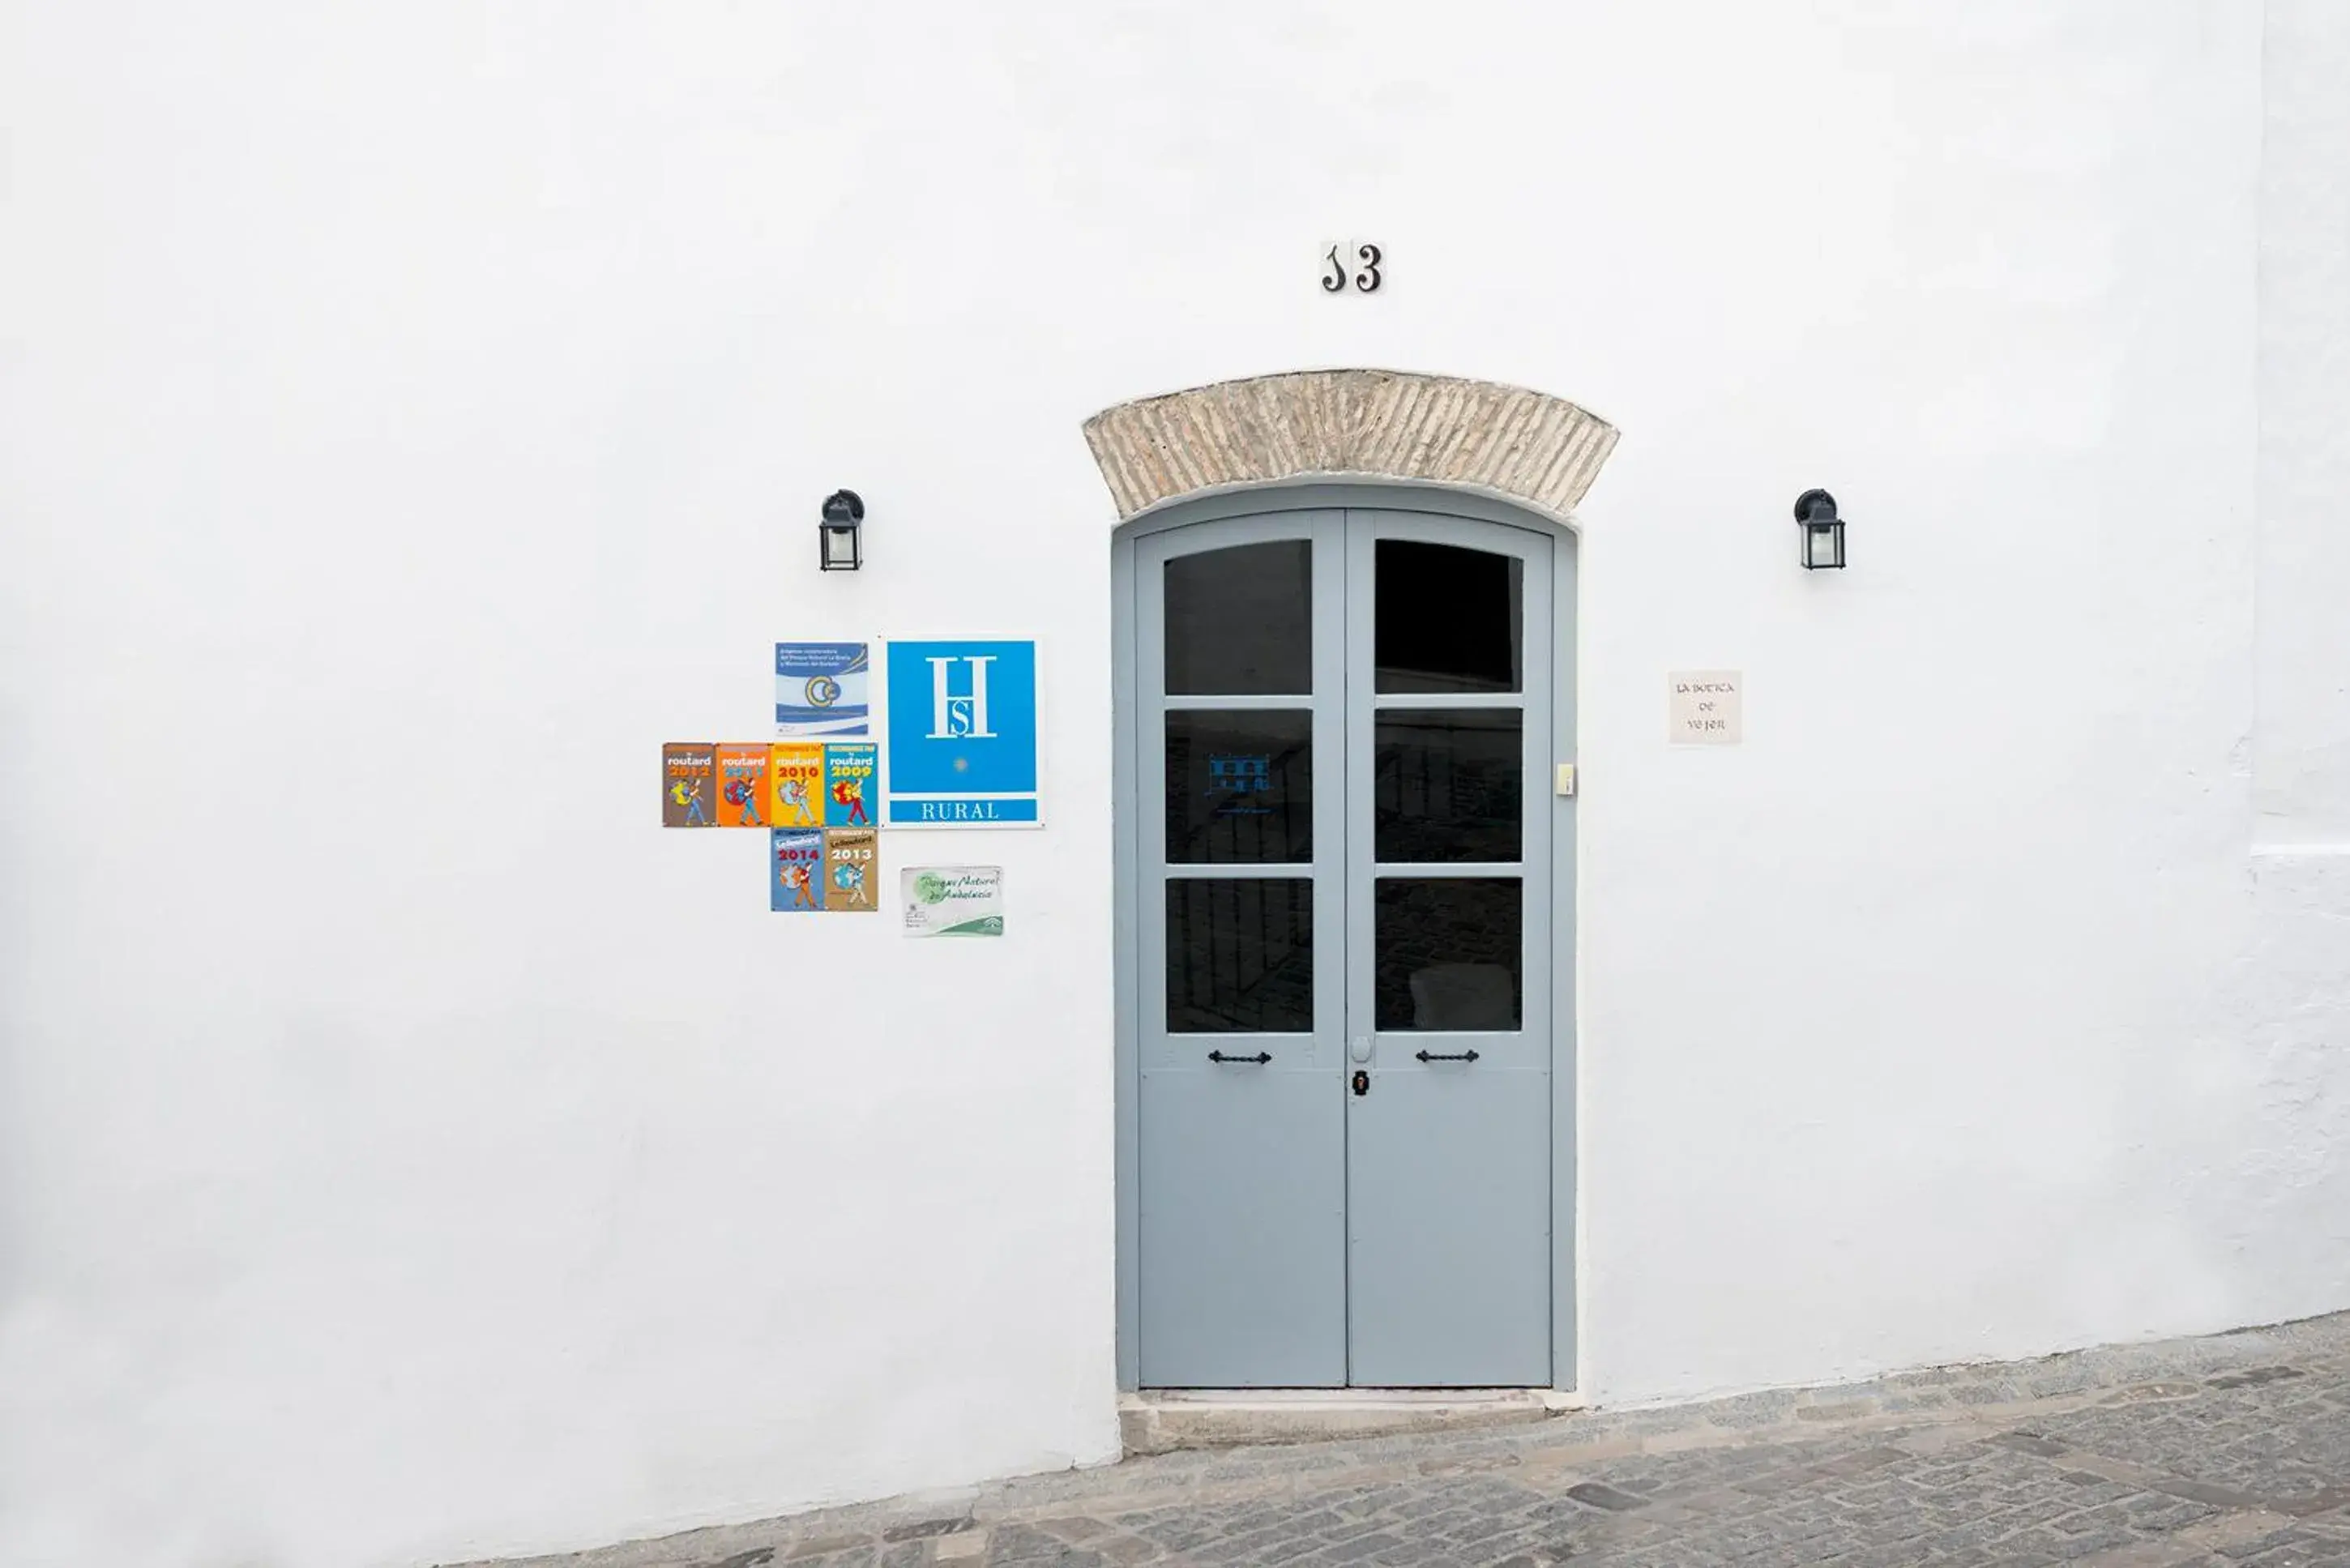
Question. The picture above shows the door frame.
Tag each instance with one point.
(1128, 823)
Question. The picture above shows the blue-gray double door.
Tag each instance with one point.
(1345, 953)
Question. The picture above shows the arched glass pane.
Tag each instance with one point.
(1240, 622)
(1448, 620)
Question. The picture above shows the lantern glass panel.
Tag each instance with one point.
(1822, 544)
(839, 543)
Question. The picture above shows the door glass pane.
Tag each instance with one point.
(1446, 952)
(1240, 788)
(1240, 622)
(1240, 956)
(1448, 620)
(1447, 784)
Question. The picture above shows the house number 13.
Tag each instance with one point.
(1367, 275)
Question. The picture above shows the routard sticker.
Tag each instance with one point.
(794, 870)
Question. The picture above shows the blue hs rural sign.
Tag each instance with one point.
(962, 734)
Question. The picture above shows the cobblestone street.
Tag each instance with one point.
(2231, 1452)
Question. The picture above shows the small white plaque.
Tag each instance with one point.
(951, 900)
(1705, 708)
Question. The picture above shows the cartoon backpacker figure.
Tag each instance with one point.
(742, 786)
(851, 858)
(687, 772)
(743, 795)
(848, 769)
(797, 769)
(797, 881)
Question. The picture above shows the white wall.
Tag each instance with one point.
(417, 415)
(2301, 758)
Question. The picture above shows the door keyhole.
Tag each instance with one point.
(1362, 1083)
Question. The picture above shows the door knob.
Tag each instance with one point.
(1358, 1049)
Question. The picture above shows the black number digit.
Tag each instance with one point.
(1369, 278)
(1336, 277)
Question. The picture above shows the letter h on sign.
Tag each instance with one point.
(962, 734)
(964, 717)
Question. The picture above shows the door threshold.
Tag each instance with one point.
(1164, 1421)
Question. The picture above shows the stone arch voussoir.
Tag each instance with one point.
(1385, 424)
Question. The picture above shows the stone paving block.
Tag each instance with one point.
(853, 1557)
(1918, 1399)
(1024, 1543)
(2291, 1549)
(2253, 1377)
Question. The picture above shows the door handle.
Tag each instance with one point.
(1260, 1058)
(1359, 1048)
(1470, 1056)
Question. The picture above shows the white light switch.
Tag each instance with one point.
(1566, 778)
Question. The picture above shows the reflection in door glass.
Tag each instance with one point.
(1240, 788)
(1240, 956)
(1448, 620)
(1240, 622)
(1447, 952)
(1447, 784)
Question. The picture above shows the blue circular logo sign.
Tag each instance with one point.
(823, 691)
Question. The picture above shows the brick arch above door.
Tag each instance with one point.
(1529, 447)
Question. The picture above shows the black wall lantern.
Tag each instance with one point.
(840, 544)
(1820, 531)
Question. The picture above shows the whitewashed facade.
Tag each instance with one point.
(417, 415)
